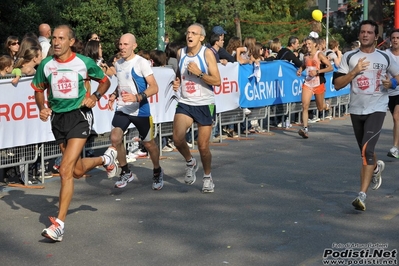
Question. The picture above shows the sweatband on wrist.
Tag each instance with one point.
(394, 83)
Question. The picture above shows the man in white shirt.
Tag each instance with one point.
(44, 38)
(366, 69)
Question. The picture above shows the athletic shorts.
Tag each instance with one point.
(144, 124)
(74, 124)
(393, 101)
(203, 114)
(367, 129)
(316, 90)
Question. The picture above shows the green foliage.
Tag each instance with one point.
(262, 19)
(98, 16)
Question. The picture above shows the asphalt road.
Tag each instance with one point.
(279, 200)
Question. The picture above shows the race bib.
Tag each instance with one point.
(366, 83)
(311, 81)
(190, 88)
(65, 84)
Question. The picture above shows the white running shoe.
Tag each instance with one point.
(377, 178)
(190, 177)
(360, 202)
(158, 181)
(393, 152)
(208, 186)
(112, 167)
(124, 179)
(54, 232)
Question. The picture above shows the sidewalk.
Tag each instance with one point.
(279, 200)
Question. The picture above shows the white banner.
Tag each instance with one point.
(19, 116)
(227, 95)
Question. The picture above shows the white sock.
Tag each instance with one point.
(61, 223)
(207, 176)
(106, 159)
(191, 161)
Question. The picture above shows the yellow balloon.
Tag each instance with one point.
(317, 15)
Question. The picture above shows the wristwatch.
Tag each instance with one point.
(200, 75)
(317, 72)
(98, 95)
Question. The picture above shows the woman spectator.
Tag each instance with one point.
(171, 54)
(31, 58)
(259, 50)
(27, 43)
(92, 36)
(275, 47)
(158, 59)
(247, 54)
(94, 51)
(11, 46)
(333, 53)
(232, 46)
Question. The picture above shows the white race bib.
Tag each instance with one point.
(65, 84)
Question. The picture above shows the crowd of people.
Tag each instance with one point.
(195, 65)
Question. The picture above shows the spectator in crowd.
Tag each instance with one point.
(111, 64)
(394, 95)
(247, 54)
(94, 50)
(216, 42)
(146, 55)
(260, 50)
(136, 83)
(92, 36)
(288, 52)
(275, 47)
(333, 53)
(198, 66)
(368, 104)
(7, 67)
(171, 55)
(26, 43)
(78, 46)
(70, 115)
(44, 38)
(232, 45)
(158, 59)
(29, 60)
(11, 46)
(223, 54)
(314, 81)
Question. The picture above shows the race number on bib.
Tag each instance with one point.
(64, 84)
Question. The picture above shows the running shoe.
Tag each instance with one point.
(360, 202)
(112, 167)
(208, 185)
(303, 133)
(124, 179)
(54, 232)
(393, 152)
(158, 181)
(167, 149)
(190, 177)
(377, 178)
